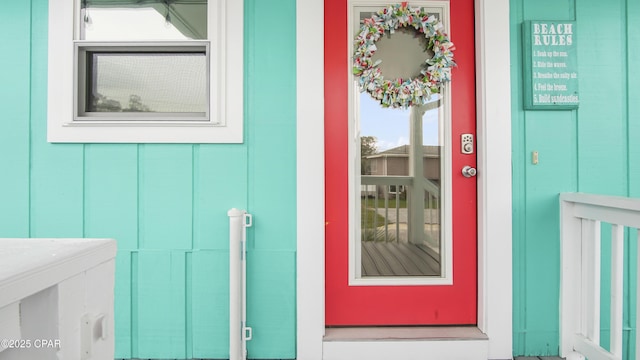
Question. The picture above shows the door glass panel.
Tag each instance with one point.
(400, 197)
(400, 159)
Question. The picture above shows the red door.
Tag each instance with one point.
(397, 304)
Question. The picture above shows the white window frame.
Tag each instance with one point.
(225, 122)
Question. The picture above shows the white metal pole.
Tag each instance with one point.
(247, 334)
(236, 331)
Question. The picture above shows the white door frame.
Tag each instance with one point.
(493, 88)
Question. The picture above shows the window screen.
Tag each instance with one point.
(142, 81)
(147, 82)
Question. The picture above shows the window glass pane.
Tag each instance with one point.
(147, 82)
(400, 162)
(400, 211)
(118, 20)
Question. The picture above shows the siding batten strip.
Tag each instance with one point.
(29, 122)
(633, 121)
(188, 302)
(135, 315)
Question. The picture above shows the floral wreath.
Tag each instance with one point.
(402, 92)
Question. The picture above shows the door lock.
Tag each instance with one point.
(467, 143)
(469, 171)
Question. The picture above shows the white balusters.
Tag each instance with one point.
(580, 237)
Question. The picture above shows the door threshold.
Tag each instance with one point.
(405, 343)
(391, 333)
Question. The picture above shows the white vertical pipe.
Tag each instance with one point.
(247, 221)
(617, 263)
(236, 255)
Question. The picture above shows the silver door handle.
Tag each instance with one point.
(469, 171)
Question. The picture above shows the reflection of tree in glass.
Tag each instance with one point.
(368, 146)
(102, 103)
(135, 105)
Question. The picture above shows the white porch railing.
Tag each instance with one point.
(383, 194)
(580, 219)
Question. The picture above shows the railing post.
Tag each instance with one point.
(617, 273)
(570, 270)
(415, 197)
(590, 274)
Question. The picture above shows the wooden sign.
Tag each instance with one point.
(550, 65)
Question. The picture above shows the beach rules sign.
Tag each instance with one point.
(550, 65)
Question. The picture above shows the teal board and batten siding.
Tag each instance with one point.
(165, 204)
(593, 149)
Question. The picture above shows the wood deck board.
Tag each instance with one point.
(428, 264)
(378, 259)
(399, 265)
(368, 266)
(433, 256)
(404, 257)
(398, 259)
(396, 265)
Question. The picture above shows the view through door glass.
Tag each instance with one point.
(400, 190)
(400, 162)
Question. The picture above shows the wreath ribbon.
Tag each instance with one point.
(402, 93)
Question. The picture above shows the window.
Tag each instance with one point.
(396, 189)
(145, 71)
(374, 165)
(141, 82)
